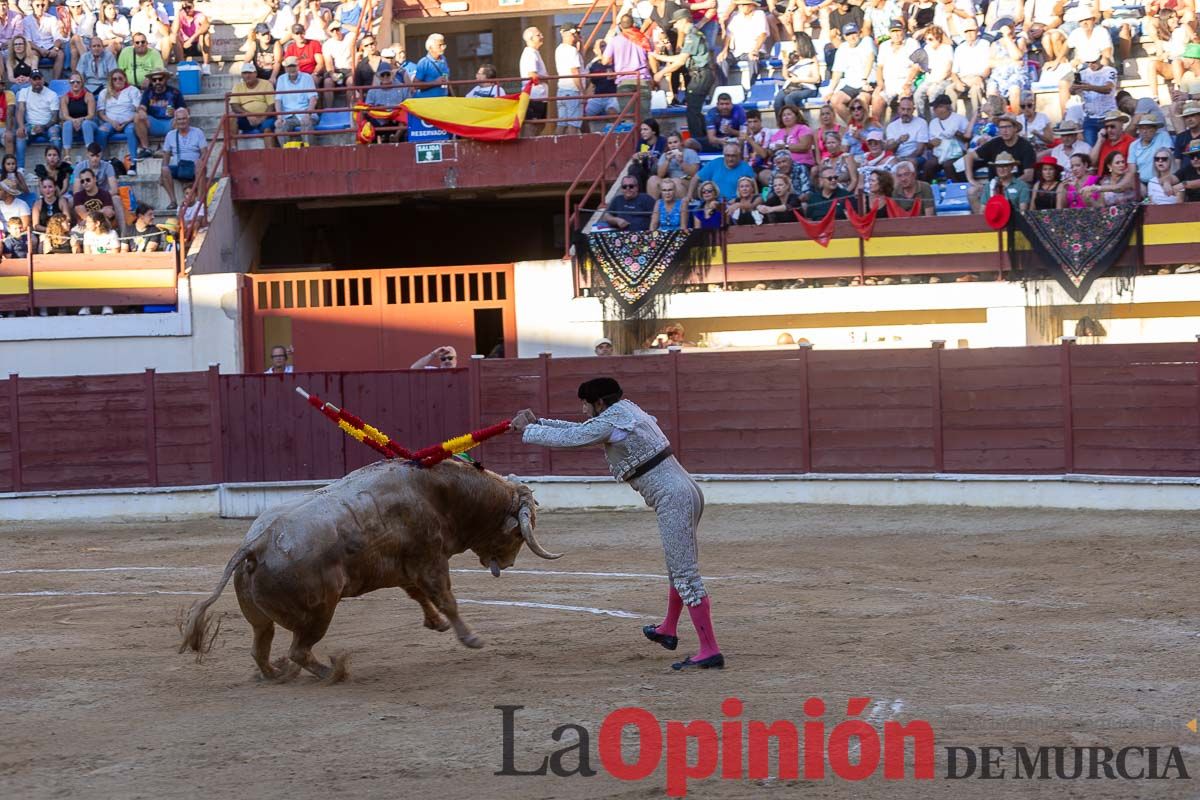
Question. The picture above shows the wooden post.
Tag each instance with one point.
(1064, 362)
(14, 416)
(547, 452)
(475, 389)
(939, 452)
(674, 353)
(216, 436)
(802, 402)
(151, 427)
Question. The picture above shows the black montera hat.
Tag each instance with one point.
(606, 389)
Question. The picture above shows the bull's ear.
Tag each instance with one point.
(511, 524)
(512, 479)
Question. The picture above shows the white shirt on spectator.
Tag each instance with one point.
(917, 130)
(531, 61)
(486, 91)
(1099, 39)
(43, 32)
(40, 107)
(853, 62)
(101, 242)
(941, 59)
(948, 128)
(84, 26)
(1062, 154)
(566, 59)
(1039, 123)
(119, 29)
(1097, 104)
(270, 371)
(1040, 11)
(338, 51)
(295, 103)
(121, 108)
(896, 63)
(140, 23)
(17, 208)
(187, 147)
(743, 31)
(972, 59)
(281, 22)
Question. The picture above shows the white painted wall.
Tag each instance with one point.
(205, 330)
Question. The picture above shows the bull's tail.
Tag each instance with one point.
(197, 628)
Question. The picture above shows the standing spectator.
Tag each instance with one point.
(567, 62)
(1007, 184)
(50, 202)
(971, 67)
(11, 204)
(1097, 85)
(253, 101)
(116, 108)
(678, 163)
(81, 27)
(96, 66)
(895, 71)
(368, 60)
(1112, 138)
(852, 66)
(338, 50)
(145, 21)
(1070, 143)
(694, 53)
(726, 171)
(106, 176)
(1191, 129)
(1163, 188)
(948, 136)
(156, 111)
(487, 86)
(600, 101)
(91, 198)
(144, 235)
(724, 122)
(908, 135)
(433, 69)
(37, 116)
(532, 68)
(1150, 139)
(101, 239)
(191, 36)
(630, 210)
(185, 143)
(908, 189)
(1189, 173)
(939, 52)
(802, 78)
(12, 25)
(1008, 143)
(1035, 126)
(77, 109)
(279, 361)
(387, 94)
(671, 210)
(603, 346)
(296, 98)
(265, 53)
(45, 36)
(444, 357)
(139, 62)
(628, 54)
(746, 35)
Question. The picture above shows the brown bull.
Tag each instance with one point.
(387, 524)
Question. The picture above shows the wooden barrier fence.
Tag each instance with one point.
(1107, 409)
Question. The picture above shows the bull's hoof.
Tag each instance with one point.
(441, 624)
(472, 641)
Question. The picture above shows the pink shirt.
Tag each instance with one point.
(793, 136)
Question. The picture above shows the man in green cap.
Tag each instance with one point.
(695, 55)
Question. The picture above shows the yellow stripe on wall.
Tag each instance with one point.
(931, 245)
(105, 279)
(1171, 233)
(14, 285)
(796, 250)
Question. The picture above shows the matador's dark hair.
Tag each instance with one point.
(606, 389)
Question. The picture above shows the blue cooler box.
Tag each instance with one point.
(189, 77)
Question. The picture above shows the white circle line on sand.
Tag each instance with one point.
(560, 573)
(41, 571)
(55, 593)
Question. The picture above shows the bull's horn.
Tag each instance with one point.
(530, 539)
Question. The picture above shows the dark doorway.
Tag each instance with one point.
(489, 332)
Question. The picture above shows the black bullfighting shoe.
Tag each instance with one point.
(712, 662)
(669, 642)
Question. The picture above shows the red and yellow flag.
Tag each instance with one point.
(485, 118)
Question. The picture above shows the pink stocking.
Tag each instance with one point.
(702, 620)
(674, 606)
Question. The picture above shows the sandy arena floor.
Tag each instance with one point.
(997, 627)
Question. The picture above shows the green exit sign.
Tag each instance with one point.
(429, 153)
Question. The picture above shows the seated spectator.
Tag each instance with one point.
(630, 210)
(266, 54)
(190, 33)
(310, 58)
(19, 65)
(147, 23)
(315, 18)
(854, 140)
(1136, 108)
(1191, 129)
(10, 171)
(876, 158)
(1088, 35)
(55, 168)
(46, 38)
(144, 235)
(724, 121)
(1117, 183)
(338, 50)
(12, 24)
(77, 109)
(96, 65)
(793, 136)
(1009, 76)
(192, 210)
(489, 87)
(948, 136)
(828, 191)
(852, 70)
(781, 203)
(754, 138)
(183, 145)
(296, 98)
(971, 67)
(677, 163)
(1044, 19)
(797, 174)
(827, 123)
(116, 108)
(1162, 187)
(156, 111)
(726, 171)
(106, 176)
(710, 214)
(1007, 184)
(1035, 126)
(1113, 138)
(99, 237)
(11, 204)
(1079, 177)
(1189, 173)
(938, 77)
(253, 101)
(1070, 143)
(1150, 139)
(388, 94)
(908, 189)
(91, 198)
(1049, 191)
(743, 209)
(348, 13)
(908, 135)
(444, 357)
(58, 238)
(671, 210)
(1008, 144)
(844, 166)
(279, 19)
(746, 35)
(895, 70)
(650, 146)
(802, 76)
(140, 64)
(170, 229)
(37, 116)
(880, 186)
(50, 202)
(16, 242)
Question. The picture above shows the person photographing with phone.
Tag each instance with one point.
(444, 357)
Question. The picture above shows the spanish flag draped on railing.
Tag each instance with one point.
(486, 118)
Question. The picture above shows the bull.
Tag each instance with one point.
(389, 524)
